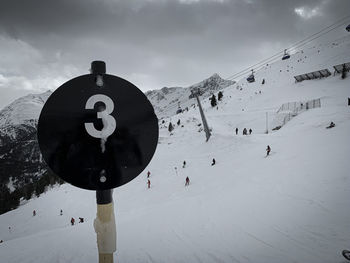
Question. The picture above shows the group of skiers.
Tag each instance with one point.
(245, 131)
(187, 180)
(72, 221)
(268, 149)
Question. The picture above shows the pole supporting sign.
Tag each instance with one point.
(98, 132)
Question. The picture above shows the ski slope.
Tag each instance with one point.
(292, 206)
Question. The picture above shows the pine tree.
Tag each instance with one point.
(213, 101)
(220, 95)
(343, 73)
(28, 191)
(170, 128)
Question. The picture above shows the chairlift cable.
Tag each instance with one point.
(294, 46)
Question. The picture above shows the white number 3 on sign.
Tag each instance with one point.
(108, 121)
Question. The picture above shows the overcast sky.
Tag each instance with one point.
(152, 43)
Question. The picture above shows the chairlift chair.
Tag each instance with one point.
(348, 28)
(251, 78)
(286, 55)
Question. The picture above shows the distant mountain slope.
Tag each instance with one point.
(24, 110)
(21, 167)
(166, 101)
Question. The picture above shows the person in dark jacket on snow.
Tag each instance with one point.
(72, 221)
(213, 163)
(331, 125)
(187, 181)
(268, 150)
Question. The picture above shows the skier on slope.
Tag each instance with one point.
(34, 213)
(187, 181)
(184, 164)
(236, 131)
(268, 150)
(331, 125)
(250, 131)
(149, 184)
(61, 212)
(72, 221)
(148, 174)
(213, 163)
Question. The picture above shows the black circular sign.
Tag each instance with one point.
(97, 132)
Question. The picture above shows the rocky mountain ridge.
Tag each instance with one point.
(167, 101)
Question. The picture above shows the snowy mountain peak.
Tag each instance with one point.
(25, 110)
(166, 101)
(214, 82)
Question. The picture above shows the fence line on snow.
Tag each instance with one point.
(289, 110)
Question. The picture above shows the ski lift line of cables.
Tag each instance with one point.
(294, 46)
(277, 56)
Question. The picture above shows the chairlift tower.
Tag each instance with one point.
(196, 94)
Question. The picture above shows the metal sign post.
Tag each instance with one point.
(104, 224)
(98, 132)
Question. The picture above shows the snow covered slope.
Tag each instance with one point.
(292, 206)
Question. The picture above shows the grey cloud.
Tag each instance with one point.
(152, 43)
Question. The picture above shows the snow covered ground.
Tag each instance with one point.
(292, 206)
